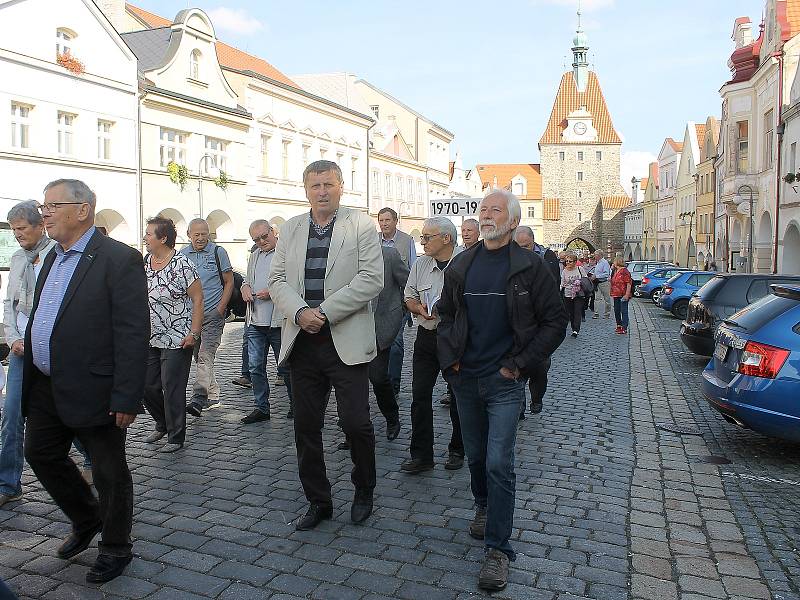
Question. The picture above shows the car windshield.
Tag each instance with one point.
(710, 289)
(762, 311)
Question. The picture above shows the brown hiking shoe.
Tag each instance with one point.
(494, 572)
(477, 528)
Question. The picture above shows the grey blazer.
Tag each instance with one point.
(389, 304)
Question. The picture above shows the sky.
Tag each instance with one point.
(489, 71)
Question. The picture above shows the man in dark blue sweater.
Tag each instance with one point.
(501, 314)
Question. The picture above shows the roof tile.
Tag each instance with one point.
(615, 202)
(551, 209)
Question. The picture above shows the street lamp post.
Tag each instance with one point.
(213, 172)
(739, 201)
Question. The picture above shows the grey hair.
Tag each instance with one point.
(259, 223)
(472, 222)
(323, 166)
(197, 221)
(27, 210)
(77, 190)
(445, 226)
(512, 203)
(524, 229)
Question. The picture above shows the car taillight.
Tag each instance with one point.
(762, 360)
(645, 281)
(667, 291)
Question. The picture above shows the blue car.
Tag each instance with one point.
(653, 283)
(678, 290)
(754, 377)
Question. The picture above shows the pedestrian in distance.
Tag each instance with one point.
(500, 314)
(572, 292)
(422, 293)
(216, 276)
(262, 322)
(621, 291)
(602, 279)
(176, 317)
(326, 271)
(88, 332)
(470, 233)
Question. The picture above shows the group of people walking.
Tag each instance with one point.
(103, 334)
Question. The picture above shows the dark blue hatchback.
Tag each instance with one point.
(753, 378)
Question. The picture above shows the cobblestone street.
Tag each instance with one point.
(609, 506)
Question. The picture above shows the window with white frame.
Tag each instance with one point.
(793, 157)
(580, 155)
(20, 125)
(769, 139)
(519, 188)
(339, 158)
(376, 183)
(375, 110)
(531, 212)
(265, 155)
(104, 139)
(173, 147)
(285, 159)
(420, 194)
(399, 187)
(66, 133)
(387, 184)
(353, 173)
(410, 189)
(64, 39)
(306, 150)
(322, 153)
(194, 65)
(217, 149)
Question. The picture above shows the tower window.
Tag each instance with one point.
(580, 175)
(561, 156)
(580, 156)
(598, 155)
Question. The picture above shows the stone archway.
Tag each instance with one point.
(220, 226)
(115, 225)
(791, 251)
(179, 221)
(579, 244)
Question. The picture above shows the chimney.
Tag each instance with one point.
(114, 10)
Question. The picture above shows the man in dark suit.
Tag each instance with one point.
(84, 376)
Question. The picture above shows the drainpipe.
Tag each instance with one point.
(778, 179)
(369, 175)
(140, 228)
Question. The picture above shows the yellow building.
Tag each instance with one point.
(706, 182)
(650, 214)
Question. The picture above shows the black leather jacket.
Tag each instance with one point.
(537, 315)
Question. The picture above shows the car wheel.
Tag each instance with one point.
(680, 308)
(656, 295)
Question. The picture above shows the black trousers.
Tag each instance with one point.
(425, 371)
(47, 443)
(315, 367)
(382, 386)
(537, 383)
(574, 308)
(165, 390)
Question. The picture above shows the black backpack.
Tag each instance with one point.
(236, 305)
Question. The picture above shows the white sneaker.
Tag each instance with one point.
(574, 334)
(171, 447)
(154, 437)
(212, 404)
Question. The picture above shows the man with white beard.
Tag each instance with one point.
(501, 315)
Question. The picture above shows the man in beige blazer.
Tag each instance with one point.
(326, 271)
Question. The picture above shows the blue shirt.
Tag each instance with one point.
(209, 275)
(53, 291)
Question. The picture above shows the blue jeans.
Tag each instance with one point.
(245, 357)
(396, 351)
(621, 312)
(489, 409)
(12, 430)
(259, 340)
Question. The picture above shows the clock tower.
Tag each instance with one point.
(582, 198)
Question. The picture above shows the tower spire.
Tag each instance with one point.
(580, 55)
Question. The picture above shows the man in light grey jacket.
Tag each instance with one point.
(26, 222)
(262, 321)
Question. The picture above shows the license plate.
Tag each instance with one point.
(721, 352)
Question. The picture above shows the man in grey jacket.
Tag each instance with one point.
(262, 321)
(26, 223)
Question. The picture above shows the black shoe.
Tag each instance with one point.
(392, 430)
(255, 417)
(415, 465)
(454, 462)
(315, 515)
(107, 567)
(362, 506)
(77, 542)
(536, 408)
(345, 445)
(193, 409)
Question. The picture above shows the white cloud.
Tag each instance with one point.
(586, 5)
(234, 20)
(634, 164)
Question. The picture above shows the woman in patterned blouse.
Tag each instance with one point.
(176, 316)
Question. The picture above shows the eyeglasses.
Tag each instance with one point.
(51, 207)
(569, 261)
(427, 238)
(261, 238)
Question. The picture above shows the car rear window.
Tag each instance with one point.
(674, 278)
(762, 311)
(638, 268)
(657, 274)
(760, 287)
(710, 289)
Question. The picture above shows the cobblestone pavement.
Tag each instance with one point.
(608, 505)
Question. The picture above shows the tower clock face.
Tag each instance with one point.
(579, 128)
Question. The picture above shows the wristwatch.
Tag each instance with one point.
(195, 336)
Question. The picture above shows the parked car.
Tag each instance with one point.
(753, 378)
(678, 290)
(724, 295)
(639, 268)
(653, 283)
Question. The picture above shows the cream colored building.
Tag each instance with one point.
(686, 191)
(650, 214)
(668, 160)
(634, 220)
